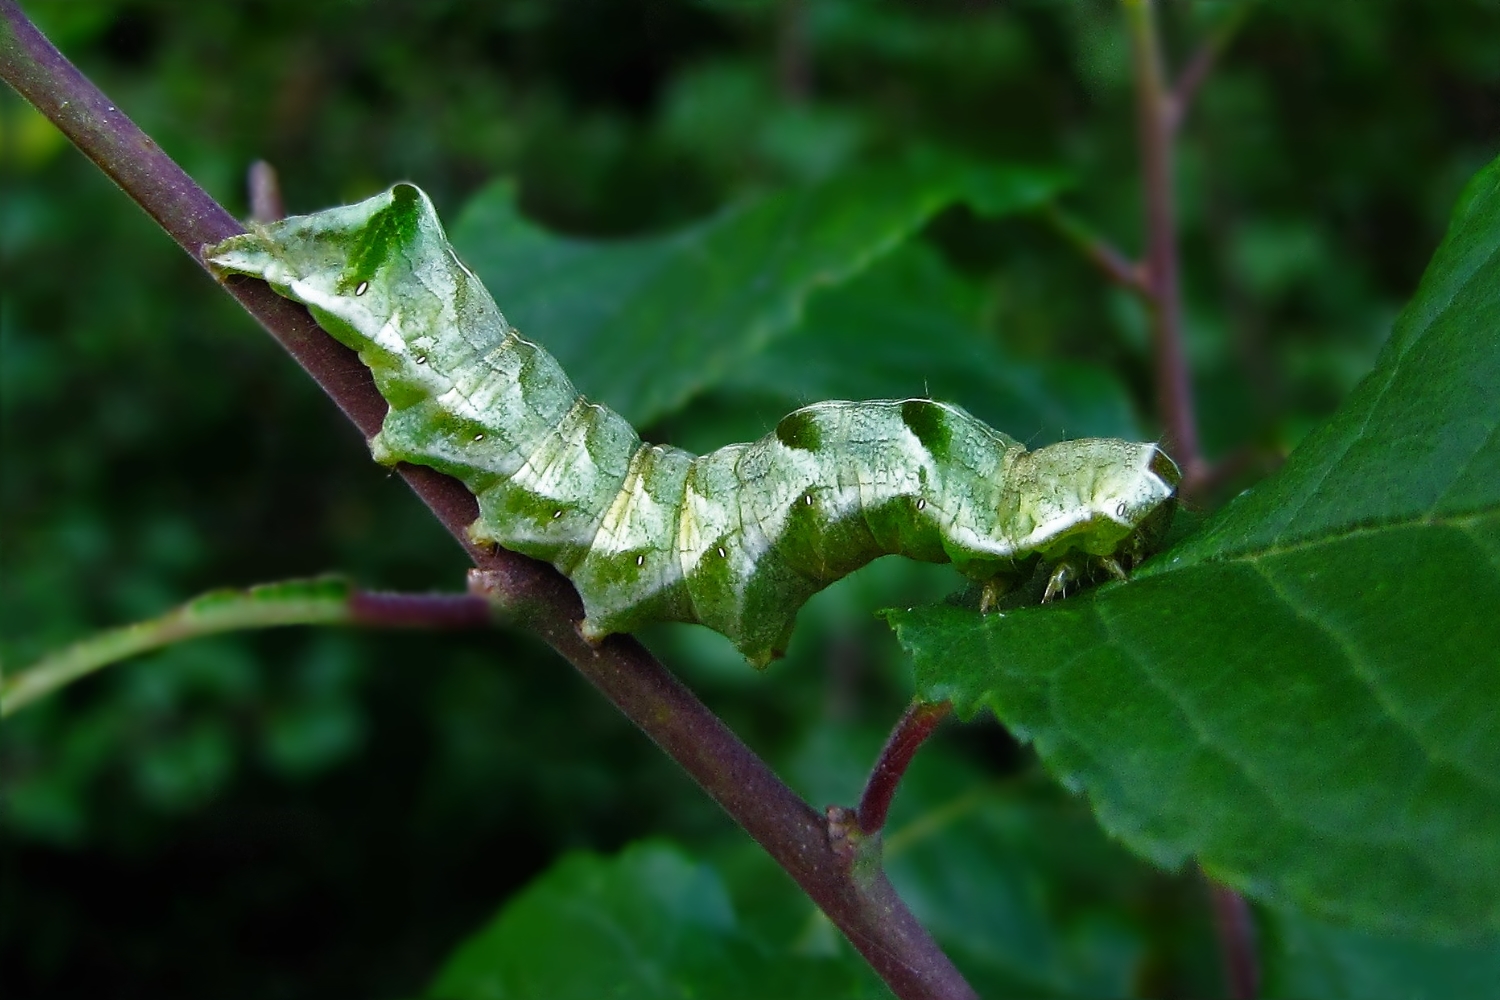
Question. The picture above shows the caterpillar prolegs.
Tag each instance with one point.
(737, 539)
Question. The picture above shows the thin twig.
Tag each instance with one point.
(916, 724)
(1154, 135)
(870, 914)
(1107, 258)
(1236, 931)
(1200, 64)
(327, 601)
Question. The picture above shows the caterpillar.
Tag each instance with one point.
(737, 539)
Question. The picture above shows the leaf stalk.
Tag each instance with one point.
(916, 724)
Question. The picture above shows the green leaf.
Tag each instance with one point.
(1304, 694)
(646, 324)
(1306, 959)
(650, 923)
(917, 328)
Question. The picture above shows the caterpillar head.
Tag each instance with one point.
(1162, 476)
(375, 274)
(339, 255)
(1098, 497)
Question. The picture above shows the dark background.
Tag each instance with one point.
(325, 813)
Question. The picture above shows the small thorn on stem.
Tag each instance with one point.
(266, 204)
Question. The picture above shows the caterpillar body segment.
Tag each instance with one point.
(737, 539)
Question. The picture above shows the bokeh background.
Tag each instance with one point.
(323, 813)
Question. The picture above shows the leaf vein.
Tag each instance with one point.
(1463, 466)
(1364, 836)
(1355, 659)
(1357, 531)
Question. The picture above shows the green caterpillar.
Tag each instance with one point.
(737, 539)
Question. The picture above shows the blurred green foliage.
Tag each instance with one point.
(1296, 696)
(331, 813)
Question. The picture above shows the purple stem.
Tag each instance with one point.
(1236, 930)
(911, 731)
(870, 913)
(441, 611)
(1154, 135)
